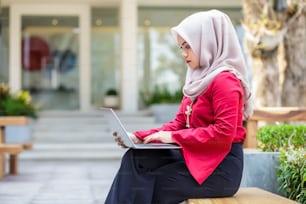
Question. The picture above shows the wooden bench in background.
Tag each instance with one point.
(246, 196)
(271, 114)
(10, 149)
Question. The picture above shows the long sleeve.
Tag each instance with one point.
(177, 123)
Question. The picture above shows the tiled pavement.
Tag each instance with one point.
(59, 182)
(73, 160)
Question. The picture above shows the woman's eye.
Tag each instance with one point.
(185, 47)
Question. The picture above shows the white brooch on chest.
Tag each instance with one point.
(188, 113)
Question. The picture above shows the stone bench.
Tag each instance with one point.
(246, 196)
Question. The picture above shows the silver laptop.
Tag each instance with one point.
(115, 125)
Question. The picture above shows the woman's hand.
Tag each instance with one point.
(120, 142)
(163, 136)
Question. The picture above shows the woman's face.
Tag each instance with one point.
(190, 58)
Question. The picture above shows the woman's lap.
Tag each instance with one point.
(166, 173)
(174, 182)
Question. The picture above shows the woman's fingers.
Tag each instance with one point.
(147, 139)
(162, 136)
(118, 140)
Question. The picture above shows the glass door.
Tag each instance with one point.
(50, 61)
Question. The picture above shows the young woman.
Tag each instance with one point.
(208, 125)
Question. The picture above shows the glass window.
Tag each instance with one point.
(50, 68)
(160, 61)
(4, 43)
(105, 53)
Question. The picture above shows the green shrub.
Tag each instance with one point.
(280, 137)
(292, 174)
(162, 95)
(111, 92)
(290, 141)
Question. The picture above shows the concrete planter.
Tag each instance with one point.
(260, 170)
(164, 112)
(111, 101)
(19, 134)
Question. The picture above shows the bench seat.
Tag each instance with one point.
(246, 196)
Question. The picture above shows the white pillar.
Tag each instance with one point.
(129, 79)
(85, 56)
(15, 49)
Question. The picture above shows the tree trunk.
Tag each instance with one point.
(265, 73)
(294, 85)
(265, 82)
(276, 40)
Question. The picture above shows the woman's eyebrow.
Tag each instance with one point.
(183, 44)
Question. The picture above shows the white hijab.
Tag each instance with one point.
(214, 41)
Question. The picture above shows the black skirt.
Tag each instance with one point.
(161, 176)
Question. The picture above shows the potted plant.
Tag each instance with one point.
(17, 104)
(291, 174)
(279, 163)
(163, 103)
(111, 99)
(289, 141)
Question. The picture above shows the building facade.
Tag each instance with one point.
(69, 53)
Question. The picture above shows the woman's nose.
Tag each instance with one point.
(184, 54)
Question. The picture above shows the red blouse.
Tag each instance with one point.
(215, 123)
